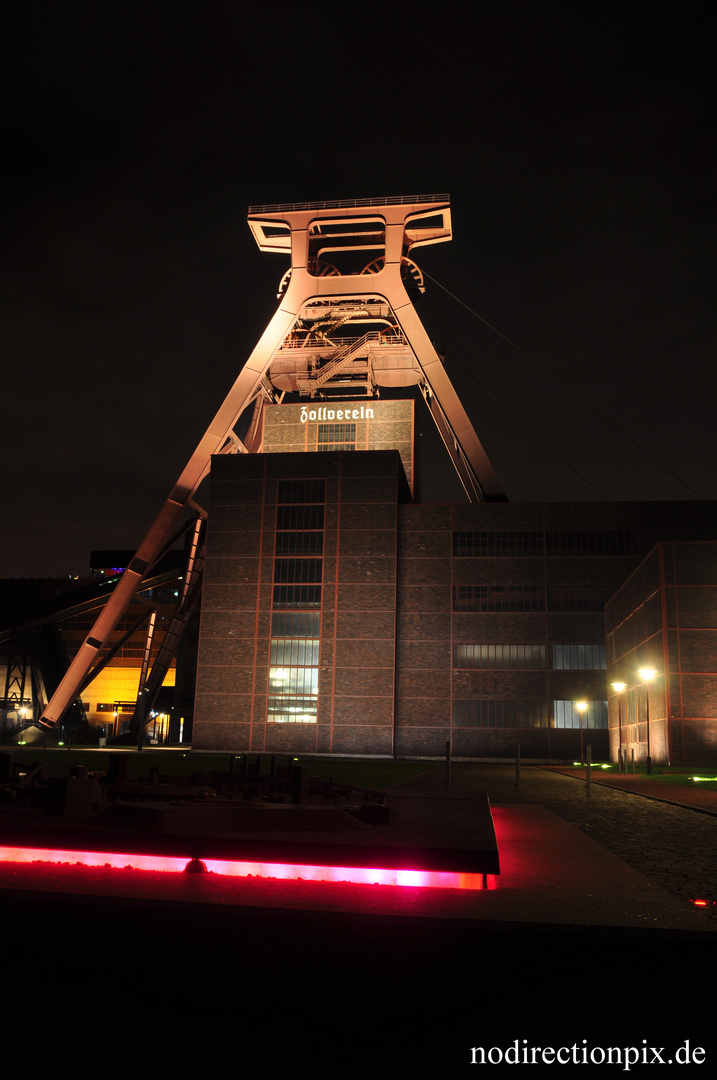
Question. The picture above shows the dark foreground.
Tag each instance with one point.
(575, 947)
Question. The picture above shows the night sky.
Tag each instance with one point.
(577, 143)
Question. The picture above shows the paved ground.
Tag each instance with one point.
(673, 846)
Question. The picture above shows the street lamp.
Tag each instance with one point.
(581, 706)
(647, 674)
(618, 687)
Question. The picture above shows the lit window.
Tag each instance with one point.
(565, 715)
(530, 657)
(293, 691)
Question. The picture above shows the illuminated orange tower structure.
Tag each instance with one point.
(345, 326)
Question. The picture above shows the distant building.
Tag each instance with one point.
(45, 622)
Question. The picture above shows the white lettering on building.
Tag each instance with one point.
(364, 413)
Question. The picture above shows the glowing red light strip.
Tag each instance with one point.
(284, 871)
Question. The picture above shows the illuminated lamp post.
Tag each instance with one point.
(581, 706)
(618, 687)
(647, 674)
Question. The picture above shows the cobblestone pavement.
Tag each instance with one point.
(672, 846)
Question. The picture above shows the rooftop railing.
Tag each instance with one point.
(343, 204)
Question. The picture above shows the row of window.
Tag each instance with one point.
(297, 573)
(491, 713)
(555, 543)
(530, 657)
(526, 598)
(296, 616)
(473, 545)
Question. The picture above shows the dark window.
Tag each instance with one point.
(578, 597)
(500, 714)
(532, 543)
(305, 624)
(497, 544)
(299, 517)
(297, 596)
(298, 571)
(578, 657)
(301, 491)
(299, 543)
(591, 542)
(498, 598)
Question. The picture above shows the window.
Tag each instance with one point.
(500, 714)
(296, 596)
(297, 583)
(497, 544)
(578, 657)
(591, 542)
(305, 518)
(293, 680)
(301, 491)
(565, 715)
(299, 543)
(297, 570)
(498, 598)
(532, 543)
(337, 437)
(296, 617)
(578, 597)
(506, 713)
(530, 597)
(525, 657)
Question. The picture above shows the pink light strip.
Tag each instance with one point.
(283, 871)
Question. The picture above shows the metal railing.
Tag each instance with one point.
(390, 337)
(342, 204)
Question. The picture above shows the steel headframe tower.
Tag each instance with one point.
(345, 326)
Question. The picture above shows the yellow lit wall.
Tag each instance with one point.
(115, 684)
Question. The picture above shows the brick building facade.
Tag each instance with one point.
(340, 617)
(665, 617)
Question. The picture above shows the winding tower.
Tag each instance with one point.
(345, 328)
